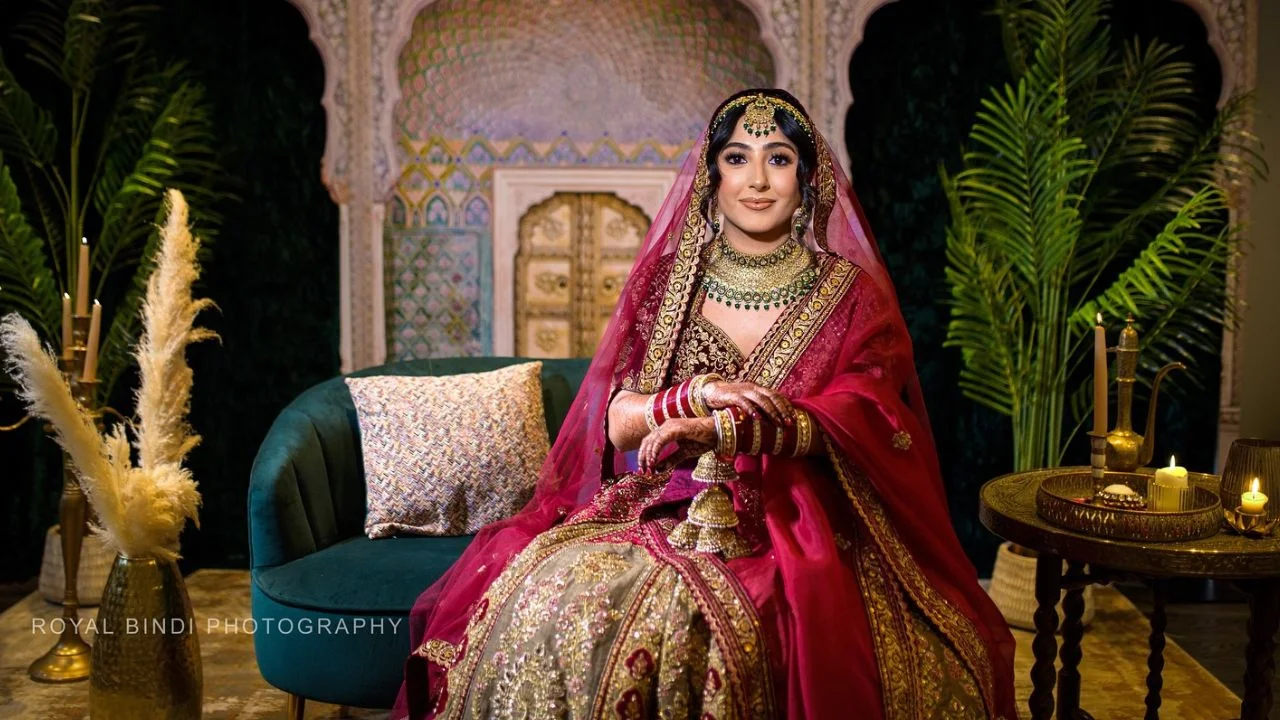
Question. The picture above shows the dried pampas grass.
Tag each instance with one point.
(141, 508)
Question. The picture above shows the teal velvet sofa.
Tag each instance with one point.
(331, 606)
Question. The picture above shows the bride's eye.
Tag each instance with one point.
(735, 158)
(780, 159)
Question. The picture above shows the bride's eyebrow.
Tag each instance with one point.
(775, 145)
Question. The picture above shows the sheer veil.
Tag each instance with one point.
(666, 271)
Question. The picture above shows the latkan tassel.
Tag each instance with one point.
(710, 525)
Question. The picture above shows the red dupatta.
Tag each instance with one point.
(880, 482)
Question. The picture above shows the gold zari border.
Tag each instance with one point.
(950, 622)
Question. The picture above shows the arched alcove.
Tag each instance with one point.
(619, 85)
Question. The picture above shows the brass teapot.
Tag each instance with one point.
(1126, 449)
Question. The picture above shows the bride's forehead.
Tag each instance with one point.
(742, 136)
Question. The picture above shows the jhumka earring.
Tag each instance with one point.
(799, 219)
(717, 222)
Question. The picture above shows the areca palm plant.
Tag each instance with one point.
(1090, 186)
(124, 126)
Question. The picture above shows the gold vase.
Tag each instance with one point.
(146, 655)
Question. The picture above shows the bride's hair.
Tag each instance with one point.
(806, 163)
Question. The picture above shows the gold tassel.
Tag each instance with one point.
(711, 523)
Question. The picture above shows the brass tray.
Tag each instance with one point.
(1066, 500)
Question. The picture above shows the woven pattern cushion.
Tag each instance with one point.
(449, 455)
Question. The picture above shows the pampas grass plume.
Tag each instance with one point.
(141, 508)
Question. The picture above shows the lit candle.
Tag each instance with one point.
(91, 355)
(1172, 476)
(1252, 502)
(1099, 378)
(82, 279)
(66, 325)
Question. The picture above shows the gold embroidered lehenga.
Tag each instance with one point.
(853, 595)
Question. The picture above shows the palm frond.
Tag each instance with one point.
(986, 315)
(178, 150)
(1020, 182)
(1173, 256)
(43, 31)
(27, 131)
(85, 34)
(26, 283)
(129, 124)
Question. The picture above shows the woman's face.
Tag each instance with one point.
(759, 189)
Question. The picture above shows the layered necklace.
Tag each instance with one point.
(759, 282)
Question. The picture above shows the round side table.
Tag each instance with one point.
(1008, 509)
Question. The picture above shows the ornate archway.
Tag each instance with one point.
(811, 41)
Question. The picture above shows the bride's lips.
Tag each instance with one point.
(757, 204)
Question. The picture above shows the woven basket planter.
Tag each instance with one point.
(95, 565)
(1013, 588)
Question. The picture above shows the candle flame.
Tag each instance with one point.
(1254, 488)
(1099, 317)
(84, 241)
(1173, 461)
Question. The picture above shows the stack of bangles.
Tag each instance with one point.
(682, 401)
(736, 432)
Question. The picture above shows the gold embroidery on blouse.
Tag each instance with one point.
(902, 440)
(704, 348)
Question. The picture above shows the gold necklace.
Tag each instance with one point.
(759, 282)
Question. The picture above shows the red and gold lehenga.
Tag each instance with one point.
(855, 598)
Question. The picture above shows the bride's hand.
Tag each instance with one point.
(750, 398)
(700, 431)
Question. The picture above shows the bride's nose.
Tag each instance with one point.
(759, 178)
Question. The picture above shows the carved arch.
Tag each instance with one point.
(396, 29)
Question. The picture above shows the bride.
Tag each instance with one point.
(780, 546)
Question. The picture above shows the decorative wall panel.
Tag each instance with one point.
(615, 84)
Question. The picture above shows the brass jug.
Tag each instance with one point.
(146, 654)
(1126, 449)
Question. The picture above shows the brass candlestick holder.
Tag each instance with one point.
(69, 658)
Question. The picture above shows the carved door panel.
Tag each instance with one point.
(575, 252)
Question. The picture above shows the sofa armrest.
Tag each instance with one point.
(306, 487)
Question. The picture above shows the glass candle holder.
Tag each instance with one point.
(1247, 459)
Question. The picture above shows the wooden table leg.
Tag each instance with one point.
(1155, 659)
(1260, 656)
(1070, 654)
(1045, 645)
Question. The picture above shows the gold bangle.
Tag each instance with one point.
(696, 389)
(779, 439)
(724, 433)
(649, 418)
(756, 439)
(804, 433)
(730, 433)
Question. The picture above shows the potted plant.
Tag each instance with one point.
(123, 126)
(1089, 187)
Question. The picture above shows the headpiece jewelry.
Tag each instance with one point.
(759, 116)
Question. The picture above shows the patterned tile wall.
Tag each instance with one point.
(517, 83)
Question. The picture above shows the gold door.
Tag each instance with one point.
(574, 255)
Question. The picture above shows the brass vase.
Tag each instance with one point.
(146, 655)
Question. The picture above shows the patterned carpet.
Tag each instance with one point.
(1114, 669)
